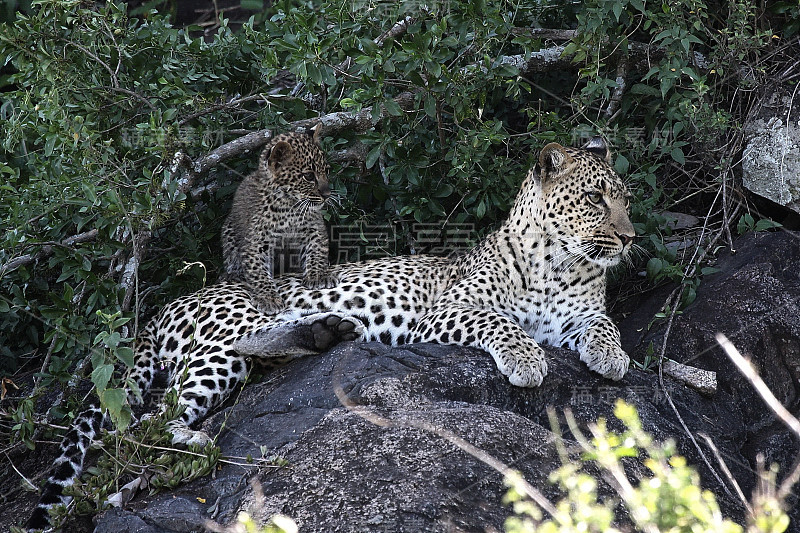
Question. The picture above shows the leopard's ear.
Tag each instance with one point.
(316, 133)
(280, 154)
(597, 145)
(553, 159)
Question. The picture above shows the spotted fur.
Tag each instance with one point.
(540, 278)
(277, 205)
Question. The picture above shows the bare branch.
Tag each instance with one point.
(622, 83)
(398, 30)
(46, 250)
(332, 123)
(758, 384)
(356, 152)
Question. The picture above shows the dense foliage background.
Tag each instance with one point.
(456, 97)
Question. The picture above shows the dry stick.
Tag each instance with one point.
(747, 370)
(619, 90)
(727, 472)
(46, 363)
(46, 250)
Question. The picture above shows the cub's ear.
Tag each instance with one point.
(280, 154)
(554, 159)
(598, 146)
(316, 133)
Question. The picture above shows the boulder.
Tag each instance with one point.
(754, 300)
(388, 460)
(771, 159)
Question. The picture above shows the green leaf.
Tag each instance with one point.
(115, 401)
(481, 210)
(507, 70)
(252, 5)
(444, 191)
(617, 9)
(641, 88)
(393, 108)
(677, 155)
(429, 105)
(765, 224)
(372, 156)
(654, 267)
(49, 144)
(101, 376)
(125, 355)
(621, 165)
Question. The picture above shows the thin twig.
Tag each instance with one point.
(755, 380)
(747, 370)
(727, 472)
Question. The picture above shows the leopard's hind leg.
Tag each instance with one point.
(203, 383)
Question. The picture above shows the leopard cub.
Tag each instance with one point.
(281, 202)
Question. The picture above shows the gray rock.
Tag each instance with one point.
(771, 159)
(348, 473)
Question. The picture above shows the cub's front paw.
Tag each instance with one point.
(607, 359)
(320, 281)
(269, 305)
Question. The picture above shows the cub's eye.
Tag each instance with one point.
(310, 177)
(594, 197)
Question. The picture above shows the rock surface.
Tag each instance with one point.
(754, 300)
(348, 474)
(771, 159)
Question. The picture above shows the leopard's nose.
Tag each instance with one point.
(325, 190)
(625, 238)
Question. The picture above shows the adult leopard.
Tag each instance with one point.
(539, 278)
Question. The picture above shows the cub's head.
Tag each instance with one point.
(295, 162)
(585, 202)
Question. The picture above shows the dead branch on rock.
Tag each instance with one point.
(508, 473)
(703, 381)
(47, 249)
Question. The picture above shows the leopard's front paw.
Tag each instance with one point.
(607, 359)
(524, 366)
(320, 281)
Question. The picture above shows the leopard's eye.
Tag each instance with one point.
(310, 177)
(595, 197)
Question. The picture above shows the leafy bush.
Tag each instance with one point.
(670, 499)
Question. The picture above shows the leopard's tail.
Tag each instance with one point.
(75, 443)
(68, 465)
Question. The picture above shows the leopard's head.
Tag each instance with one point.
(295, 163)
(586, 203)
